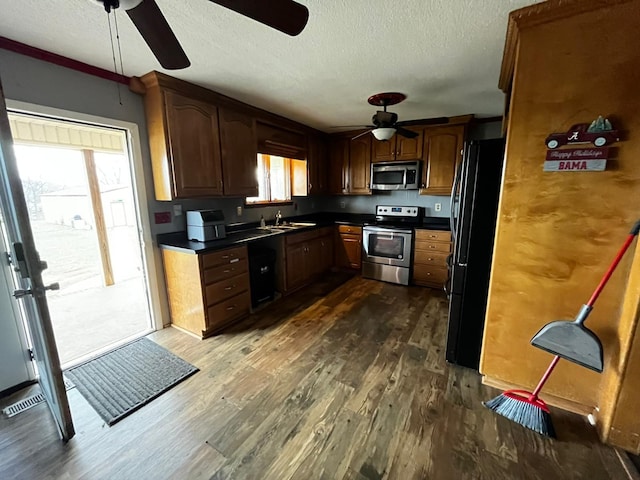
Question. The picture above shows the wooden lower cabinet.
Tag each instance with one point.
(207, 292)
(348, 249)
(430, 252)
(306, 255)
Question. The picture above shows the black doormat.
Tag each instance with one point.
(123, 380)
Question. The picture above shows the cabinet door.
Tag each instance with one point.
(192, 130)
(326, 253)
(338, 164)
(353, 248)
(409, 148)
(384, 150)
(317, 160)
(359, 171)
(348, 252)
(296, 265)
(239, 153)
(442, 152)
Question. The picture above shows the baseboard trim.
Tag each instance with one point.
(552, 400)
(17, 388)
(627, 464)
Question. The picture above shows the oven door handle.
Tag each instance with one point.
(391, 230)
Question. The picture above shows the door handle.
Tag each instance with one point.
(23, 293)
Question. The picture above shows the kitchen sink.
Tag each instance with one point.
(302, 224)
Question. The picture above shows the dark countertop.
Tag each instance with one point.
(242, 233)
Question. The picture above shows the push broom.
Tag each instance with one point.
(570, 340)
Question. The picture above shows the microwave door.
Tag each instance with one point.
(388, 178)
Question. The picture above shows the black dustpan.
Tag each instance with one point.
(572, 340)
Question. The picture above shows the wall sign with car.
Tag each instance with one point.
(599, 133)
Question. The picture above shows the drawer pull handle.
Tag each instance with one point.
(230, 288)
(432, 246)
(428, 274)
(230, 270)
(234, 260)
(433, 236)
(430, 259)
(231, 307)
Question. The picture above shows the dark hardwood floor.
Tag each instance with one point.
(330, 383)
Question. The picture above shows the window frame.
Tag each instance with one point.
(266, 173)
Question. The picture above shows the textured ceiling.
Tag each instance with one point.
(444, 55)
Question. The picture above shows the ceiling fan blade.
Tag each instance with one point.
(354, 126)
(155, 30)
(286, 16)
(425, 121)
(361, 134)
(405, 133)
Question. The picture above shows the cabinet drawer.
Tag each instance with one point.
(294, 238)
(433, 246)
(219, 291)
(350, 229)
(222, 313)
(430, 274)
(433, 235)
(223, 272)
(223, 256)
(426, 257)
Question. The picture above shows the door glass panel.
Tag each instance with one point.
(391, 177)
(386, 245)
(33, 300)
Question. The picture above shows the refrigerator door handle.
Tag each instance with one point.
(454, 188)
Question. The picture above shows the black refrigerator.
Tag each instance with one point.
(474, 208)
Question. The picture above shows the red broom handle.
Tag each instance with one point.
(545, 377)
(612, 267)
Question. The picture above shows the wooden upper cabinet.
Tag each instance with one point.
(442, 154)
(192, 135)
(384, 151)
(398, 148)
(317, 165)
(338, 165)
(359, 171)
(409, 148)
(239, 153)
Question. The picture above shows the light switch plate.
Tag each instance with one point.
(177, 210)
(239, 210)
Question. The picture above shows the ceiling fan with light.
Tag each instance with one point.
(286, 16)
(386, 124)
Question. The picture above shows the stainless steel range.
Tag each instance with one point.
(388, 243)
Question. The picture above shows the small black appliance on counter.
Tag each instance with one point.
(205, 225)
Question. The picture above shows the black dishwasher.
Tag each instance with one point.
(262, 274)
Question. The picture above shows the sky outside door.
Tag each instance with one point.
(81, 208)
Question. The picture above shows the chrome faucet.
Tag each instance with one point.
(278, 218)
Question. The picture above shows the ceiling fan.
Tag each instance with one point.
(386, 124)
(286, 16)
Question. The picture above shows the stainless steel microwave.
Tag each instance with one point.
(395, 175)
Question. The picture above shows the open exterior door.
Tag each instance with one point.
(32, 292)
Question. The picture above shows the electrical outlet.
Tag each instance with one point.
(239, 210)
(438, 207)
(162, 217)
(343, 204)
(177, 210)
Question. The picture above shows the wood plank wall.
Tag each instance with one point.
(557, 232)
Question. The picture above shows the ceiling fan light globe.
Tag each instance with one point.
(383, 133)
